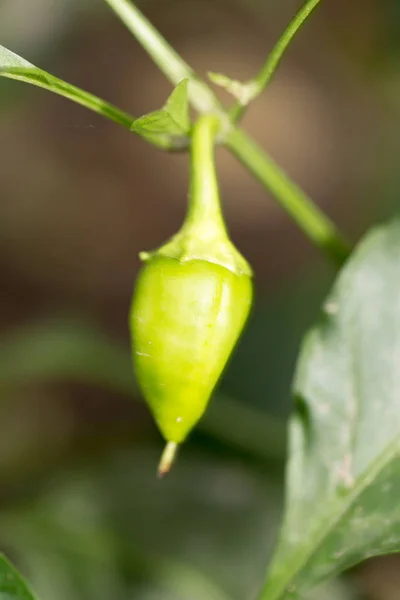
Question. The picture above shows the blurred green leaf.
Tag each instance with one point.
(334, 590)
(67, 349)
(157, 127)
(113, 530)
(15, 67)
(12, 586)
(344, 471)
(171, 120)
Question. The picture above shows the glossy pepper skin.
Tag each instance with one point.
(191, 301)
(186, 320)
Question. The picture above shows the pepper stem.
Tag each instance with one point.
(204, 216)
(203, 235)
(167, 459)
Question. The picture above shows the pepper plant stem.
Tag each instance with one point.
(204, 203)
(317, 227)
(164, 55)
(313, 222)
(260, 82)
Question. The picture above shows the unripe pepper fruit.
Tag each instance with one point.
(191, 301)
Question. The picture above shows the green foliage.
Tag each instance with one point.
(344, 472)
(15, 67)
(64, 348)
(111, 530)
(299, 206)
(12, 586)
(157, 127)
(172, 120)
(177, 106)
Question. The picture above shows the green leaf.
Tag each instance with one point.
(172, 120)
(64, 349)
(12, 586)
(78, 540)
(15, 67)
(177, 106)
(343, 485)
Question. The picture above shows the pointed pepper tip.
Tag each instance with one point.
(167, 459)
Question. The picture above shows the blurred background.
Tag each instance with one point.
(81, 512)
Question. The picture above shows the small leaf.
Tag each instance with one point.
(15, 67)
(343, 485)
(12, 585)
(157, 122)
(177, 106)
(171, 120)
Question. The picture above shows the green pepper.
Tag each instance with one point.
(191, 301)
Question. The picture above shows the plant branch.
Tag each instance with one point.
(44, 80)
(257, 85)
(314, 223)
(311, 220)
(309, 217)
(165, 57)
